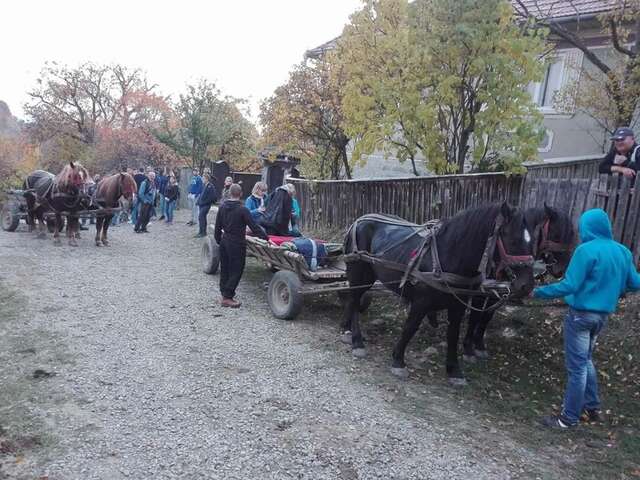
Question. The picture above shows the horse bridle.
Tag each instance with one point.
(507, 261)
(543, 246)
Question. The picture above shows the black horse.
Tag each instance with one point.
(53, 194)
(496, 232)
(553, 239)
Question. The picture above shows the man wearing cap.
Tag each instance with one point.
(624, 156)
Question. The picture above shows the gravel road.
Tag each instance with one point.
(144, 376)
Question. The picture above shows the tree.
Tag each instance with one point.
(442, 78)
(304, 117)
(102, 115)
(211, 125)
(609, 88)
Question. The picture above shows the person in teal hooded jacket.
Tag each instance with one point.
(600, 272)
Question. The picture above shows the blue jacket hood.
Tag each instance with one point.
(595, 224)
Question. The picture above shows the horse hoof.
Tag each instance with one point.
(98, 243)
(73, 243)
(346, 338)
(482, 354)
(57, 243)
(469, 358)
(105, 243)
(401, 373)
(77, 236)
(359, 352)
(458, 381)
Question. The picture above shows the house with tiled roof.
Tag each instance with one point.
(570, 134)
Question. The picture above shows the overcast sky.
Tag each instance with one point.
(246, 46)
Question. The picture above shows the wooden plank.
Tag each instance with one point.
(622, 209)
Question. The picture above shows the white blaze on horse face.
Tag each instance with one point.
(527, 236)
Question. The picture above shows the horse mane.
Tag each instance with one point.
(64, 179)
(463, 237)
(563, 225)
(129, 185)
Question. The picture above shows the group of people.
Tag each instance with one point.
(154, 189)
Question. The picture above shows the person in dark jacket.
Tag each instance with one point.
(162, 180)
(139, 178)
(171, 193)
(277, 216)
(208, 197)
(624, 156)
(146, 197)
(231, 226)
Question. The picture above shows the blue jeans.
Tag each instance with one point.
(193, 205)
(581, 330)
(169, 209)
(163, 206)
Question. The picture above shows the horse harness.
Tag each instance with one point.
(543, 246)
(452, 283)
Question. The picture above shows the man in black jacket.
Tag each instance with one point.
(231, 226)
(208, 197)
(624, 156)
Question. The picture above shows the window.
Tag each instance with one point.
(562, 70)
(543, 92)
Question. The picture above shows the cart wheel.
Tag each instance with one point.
(285, 297)
(10, 219)
(365, 300)
(210, 256)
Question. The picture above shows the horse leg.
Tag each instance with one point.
(417, 313)
(480, 349)
(360, 276)
(99, 226)
(475, 318)
(454, 371)
(72, 230)
(56, 229)
(106, 222)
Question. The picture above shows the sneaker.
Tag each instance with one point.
(161, 218)
(230, 303)
(556, 422)
(592, 415)
(190, 223)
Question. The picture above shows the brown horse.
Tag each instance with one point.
(60, 194)
(108, 194)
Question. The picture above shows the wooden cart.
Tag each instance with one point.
(292, 279)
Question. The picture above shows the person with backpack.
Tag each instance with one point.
(600, 272)
(624, 156)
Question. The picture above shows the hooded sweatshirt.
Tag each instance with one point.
(600, 271)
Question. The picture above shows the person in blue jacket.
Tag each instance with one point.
(146, 197)
(255, 202)
(162, 180)
(195, 190)
(600, 272)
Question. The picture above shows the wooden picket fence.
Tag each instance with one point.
(572, 187)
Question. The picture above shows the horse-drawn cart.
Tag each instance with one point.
(293, 279)
(13, 210)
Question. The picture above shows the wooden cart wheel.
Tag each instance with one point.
(10, 219)
(210, 256)
(285, 295)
